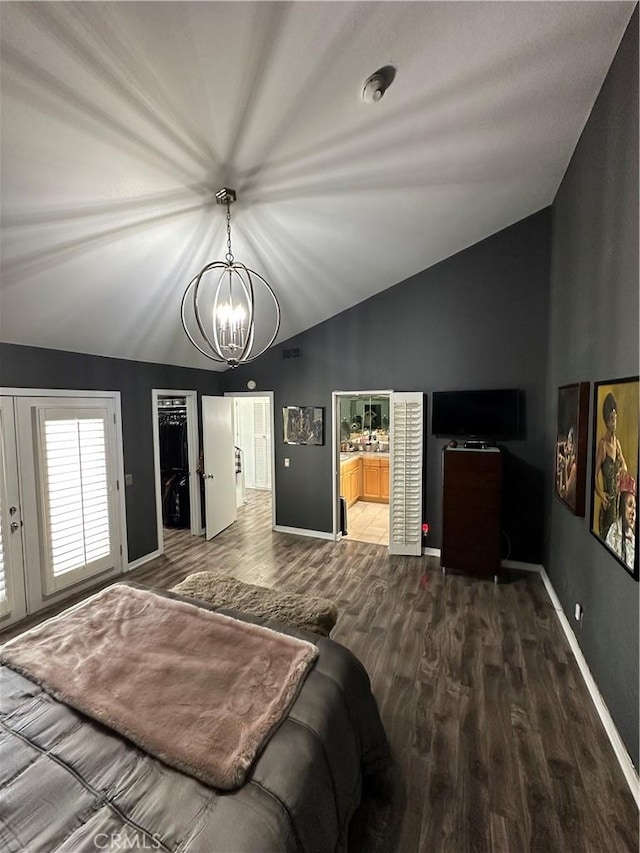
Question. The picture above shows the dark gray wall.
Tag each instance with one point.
(477, 320)
(594, 336)
(29, 367)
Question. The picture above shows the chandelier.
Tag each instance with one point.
(219, 306)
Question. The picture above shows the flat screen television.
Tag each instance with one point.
(493, 414)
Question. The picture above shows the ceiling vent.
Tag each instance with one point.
(291, 353)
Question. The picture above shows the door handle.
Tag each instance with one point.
(13, 510)
(14, 526)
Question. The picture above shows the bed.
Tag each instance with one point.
(70, 783)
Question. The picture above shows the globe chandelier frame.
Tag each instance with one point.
(227, 333)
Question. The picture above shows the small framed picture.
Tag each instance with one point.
(303, 424)
(571, 446)
(614, 489)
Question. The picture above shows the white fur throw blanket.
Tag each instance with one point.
(309, 612)
(196, 689)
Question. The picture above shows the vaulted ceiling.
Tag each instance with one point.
(121, 120)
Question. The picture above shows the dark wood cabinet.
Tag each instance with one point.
(471, 511)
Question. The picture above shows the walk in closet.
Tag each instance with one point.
(174, 461)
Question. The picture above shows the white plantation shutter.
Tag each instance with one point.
(405, 488)
(253, 435)
(261, 443)
(76, 499)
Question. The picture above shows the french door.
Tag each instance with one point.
(60, 512)
(12, 588)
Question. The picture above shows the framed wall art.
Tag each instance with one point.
(571, 446)
(303, 424)
(614, 490)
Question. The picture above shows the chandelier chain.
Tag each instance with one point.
(229, 252)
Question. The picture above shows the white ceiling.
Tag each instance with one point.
(121, 120)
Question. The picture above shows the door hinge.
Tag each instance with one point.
(121, 550)
(117, 485)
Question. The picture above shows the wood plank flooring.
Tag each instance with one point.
(497, 745)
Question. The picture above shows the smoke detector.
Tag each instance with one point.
(377, 84)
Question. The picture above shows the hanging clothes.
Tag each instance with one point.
(174, 466)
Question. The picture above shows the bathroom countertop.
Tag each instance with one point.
(354, 454)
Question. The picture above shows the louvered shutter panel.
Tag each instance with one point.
(261, 443)
(76, 503)
(405, 488)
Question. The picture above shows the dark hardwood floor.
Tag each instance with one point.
(497, 744)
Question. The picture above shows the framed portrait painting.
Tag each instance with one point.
(303, 424)
(614, 490)
(571, 446)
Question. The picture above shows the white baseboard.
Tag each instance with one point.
(431, 552)
(142, 560)
(301, 531)
(523, 567)
(505, 564)
(624, 759)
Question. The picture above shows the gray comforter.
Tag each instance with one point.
(69, 784)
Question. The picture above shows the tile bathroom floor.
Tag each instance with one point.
(368, 522)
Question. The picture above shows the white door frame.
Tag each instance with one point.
(271, 395)
(335, 449)
(195, 511)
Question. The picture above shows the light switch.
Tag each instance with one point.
(286, 463)
(128, 479)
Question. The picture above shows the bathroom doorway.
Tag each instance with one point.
(362, 470)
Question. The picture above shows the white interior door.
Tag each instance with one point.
(12, 590)
(262, 442)
(219, 464)
(253, 436)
